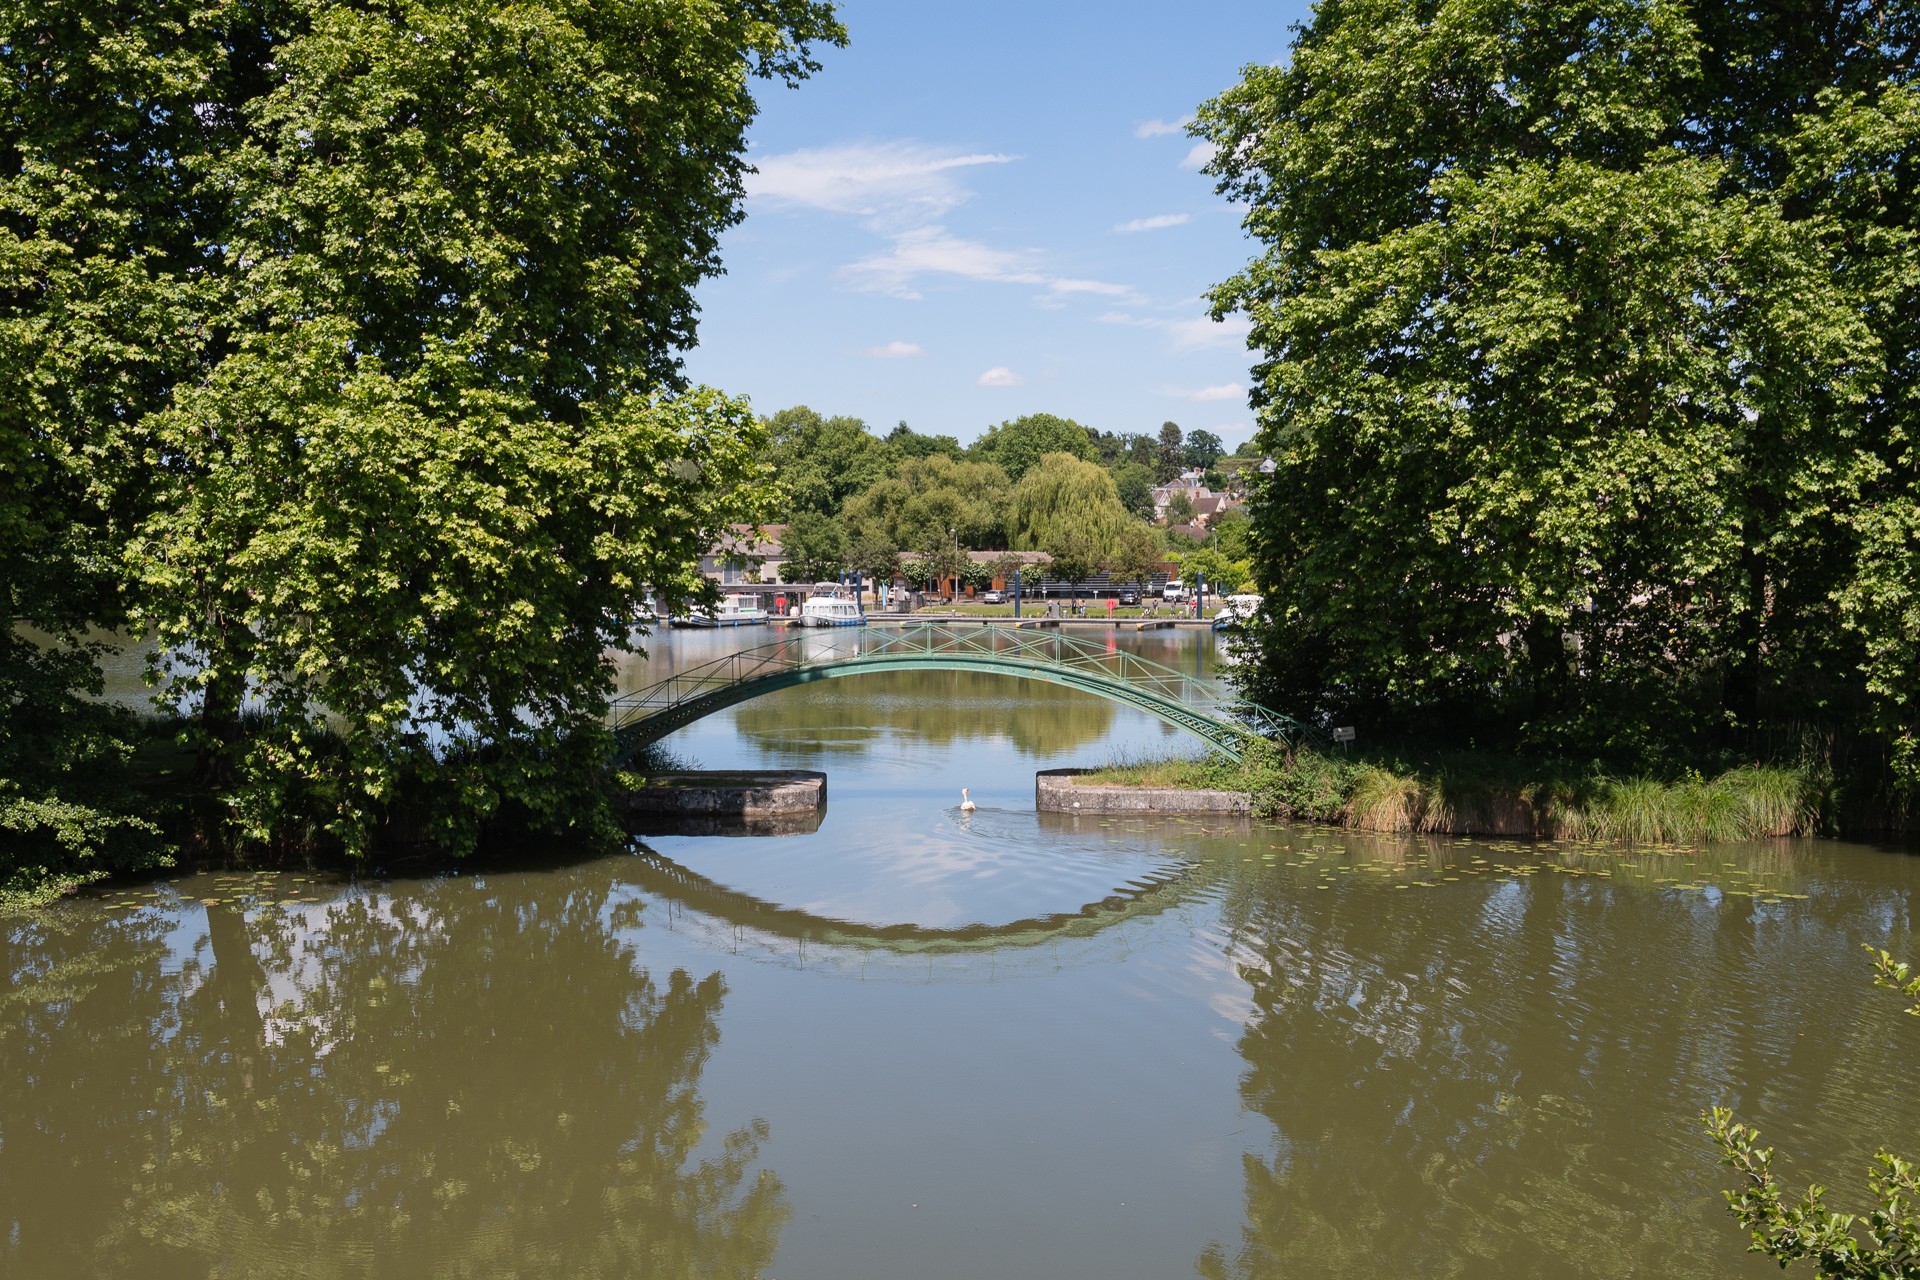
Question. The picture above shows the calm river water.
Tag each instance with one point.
(922, 1043)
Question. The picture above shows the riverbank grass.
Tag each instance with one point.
(1474, 794)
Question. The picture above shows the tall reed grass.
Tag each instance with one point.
(1480, 795)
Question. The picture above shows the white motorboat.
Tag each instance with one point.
(734, 611)
(831, 611)
(1236, 612)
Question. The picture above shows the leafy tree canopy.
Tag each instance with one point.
(1136, 554)
(908, 443)
(344, 342)
(1233, 530)
(1116, 449)
(1171, 456)
(1134, 485)
(874, 553)
(1066, 499)
(1017, 445)
(1221, 573)
(821, 462)
(933, 503)
(814, 547)
(1203, 449)
(1587, 354)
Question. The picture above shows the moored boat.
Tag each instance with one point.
(831, 611)
(733, 611)
(1236, 612)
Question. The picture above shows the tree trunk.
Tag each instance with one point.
(220, 701)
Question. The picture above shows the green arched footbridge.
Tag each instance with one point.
(1204, 708)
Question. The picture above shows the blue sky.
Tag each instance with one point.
(984, 210)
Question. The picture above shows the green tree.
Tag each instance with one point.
(908, 443)
(381, 397)
(1135, 554)
(1133, 484)
(1172, 455)
(68, 810)
(873, 553)
(821, 462)
(1144, 451)
(815, 547)
(944, 558)
(976, 574)
(1233, 530)
(1007, 565)
(1579, 387)
(928, 502)
(1064, 495)
(1075, 553)
(1223, 574)
(1202, 450)
(1016, 446)
(1109, 448)
(105, 297)
(1068, 508)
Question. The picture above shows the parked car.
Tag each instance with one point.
(1129, 598)
(992, 597)
(1174, 591)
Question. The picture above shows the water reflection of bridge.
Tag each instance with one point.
(1149, 896)
(1205, 708)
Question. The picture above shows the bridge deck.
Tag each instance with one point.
(1204, 708)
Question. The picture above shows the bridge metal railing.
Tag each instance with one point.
(790, 654)
(1040, 652)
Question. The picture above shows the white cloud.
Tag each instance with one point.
(1193, 333)
(1199, 333)
(1154, 223)
(1161, 128)
(894, 351)
(1064, 284)
(1199, 155)
(900, 190)
(1225, 391)
(999, 376)
(932, 250)
(888, 181)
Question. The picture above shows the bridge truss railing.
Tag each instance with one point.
(1048, 653)
(790, 654)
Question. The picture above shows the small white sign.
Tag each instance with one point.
(1343, 734)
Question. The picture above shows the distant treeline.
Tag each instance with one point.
(855, 500)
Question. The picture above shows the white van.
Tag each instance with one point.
(1175, 590)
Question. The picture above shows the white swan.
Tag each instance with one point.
(966, 801)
